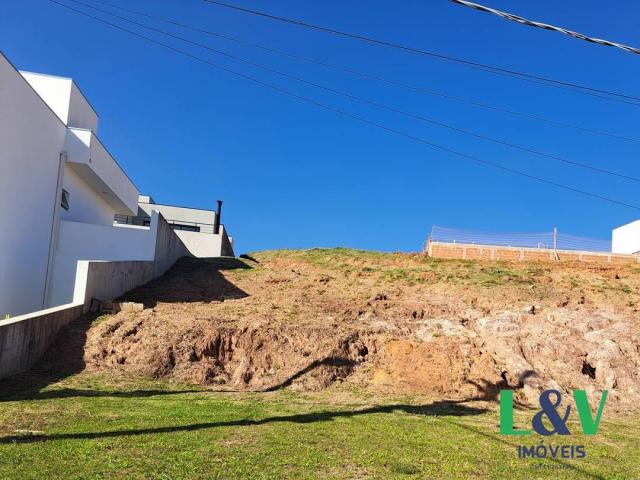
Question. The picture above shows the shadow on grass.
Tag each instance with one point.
(76, 392)
(444, 408)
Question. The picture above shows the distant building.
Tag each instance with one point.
(199, 229)
(626, 239)
(60, 191)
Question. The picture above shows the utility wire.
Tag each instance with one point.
(364, 100)
(583, 89)
(376, 77)
(350, 115)
(546, 26)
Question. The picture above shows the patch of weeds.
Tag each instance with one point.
(101, 318)
(403, 468)
(625, 288)
(536, 271)
(622, 287)
(500, 275)
(409, 276)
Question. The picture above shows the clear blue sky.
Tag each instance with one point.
(294, 176)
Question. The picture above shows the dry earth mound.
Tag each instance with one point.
(401, 323)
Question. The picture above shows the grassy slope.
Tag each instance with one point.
(88, 427)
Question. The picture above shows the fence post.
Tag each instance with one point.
(555, 243)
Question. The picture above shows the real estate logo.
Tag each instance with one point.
(556, 423)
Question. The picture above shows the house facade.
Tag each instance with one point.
(61, 193)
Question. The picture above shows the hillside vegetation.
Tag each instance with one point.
(401, 323)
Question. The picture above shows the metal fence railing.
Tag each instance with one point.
(176, 224)
(543, 240)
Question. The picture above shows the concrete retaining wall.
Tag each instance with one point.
(226, 248)
(168, 248)
(203, 245)
(463, 251)
(109, 280)
(24, 339)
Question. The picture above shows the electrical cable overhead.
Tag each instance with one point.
(364, 100)
(351, 115)
(546, 26)
(377, 78)
(583, 89)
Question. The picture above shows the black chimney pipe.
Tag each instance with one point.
(216, 225)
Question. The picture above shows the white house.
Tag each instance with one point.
(61, 193)
(626, 239)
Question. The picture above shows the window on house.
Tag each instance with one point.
(188, 228)
(65, 200)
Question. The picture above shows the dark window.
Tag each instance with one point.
(65, 200)
(146, 223)
(189, 228)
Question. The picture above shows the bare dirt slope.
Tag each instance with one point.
(394, 322)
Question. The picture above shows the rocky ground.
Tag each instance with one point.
(401, 323)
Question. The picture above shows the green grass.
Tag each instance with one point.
(88, 427)
(421, 269)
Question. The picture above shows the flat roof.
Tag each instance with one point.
(176, 206)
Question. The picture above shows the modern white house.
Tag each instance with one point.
(626, 239)
(63, 196)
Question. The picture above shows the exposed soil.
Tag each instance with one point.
(400, 323)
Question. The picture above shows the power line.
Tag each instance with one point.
(369, 76)
(583, 89)
(351, 115)
(546, 26)
(364, 100)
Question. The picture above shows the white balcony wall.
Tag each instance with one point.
(84, 241)
(31, 139)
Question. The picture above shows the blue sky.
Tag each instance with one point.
(295, 176)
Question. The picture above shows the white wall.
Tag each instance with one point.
(626, 239)
(91, 160)
(201, 245)
(171, 213)
(55, 91)
(85, 205)
(81, 113)
(31, 139)
(65, 99)
(84, 241)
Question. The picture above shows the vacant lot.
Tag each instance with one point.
(87, 426)
(332, 363)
